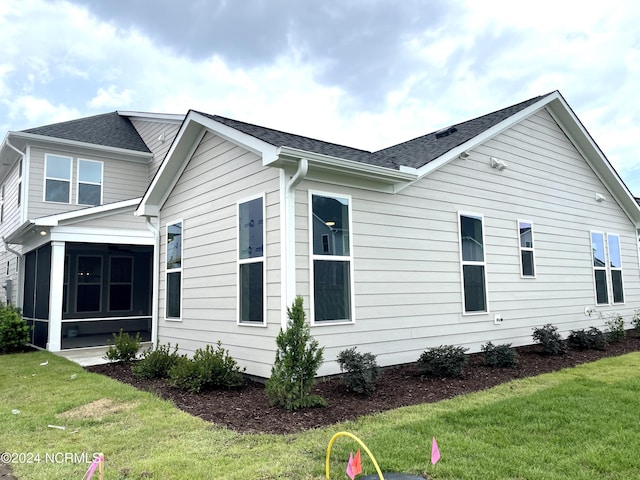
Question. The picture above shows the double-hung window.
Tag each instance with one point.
(607, 268)
(89, 182)
(332, 258)
(527, 256)
(472, 259)
(174, 271)
(57, 182)
(251, 265)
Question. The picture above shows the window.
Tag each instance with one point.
(607, 268)
(57, 186)
(527, 257)
(473, 264)
(251, 235)
(2, 204)
(120, 283)
(331, 258)
(89, 182)
(174, 270)
(615, 268)
(89, 286)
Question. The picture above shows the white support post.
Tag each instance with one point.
(55, 296)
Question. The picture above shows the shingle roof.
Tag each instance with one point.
(422, 150)
(413, 153)
(109, 129)
(283, 139)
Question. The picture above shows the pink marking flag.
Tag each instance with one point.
(435, 452)
(92, 468)
(354, 467)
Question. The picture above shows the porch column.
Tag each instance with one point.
(55, 295)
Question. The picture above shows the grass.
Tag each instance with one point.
(579, 423)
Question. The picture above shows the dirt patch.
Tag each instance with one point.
(248, 410)
(96, 410)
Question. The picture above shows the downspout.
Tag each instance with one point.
(155, 280)
(290, 240)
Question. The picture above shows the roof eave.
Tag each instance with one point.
(350, 167)
(33, 137)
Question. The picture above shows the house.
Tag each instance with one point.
(474, 233)
(74, 256)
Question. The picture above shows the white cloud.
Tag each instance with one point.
(40, 111)
(111, 98)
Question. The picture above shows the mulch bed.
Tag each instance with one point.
(248, 410)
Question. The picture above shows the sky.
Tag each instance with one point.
(364, 73)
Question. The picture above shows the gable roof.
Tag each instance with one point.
(108, 130)
(420, 151)
(393, 168)
(413, 153)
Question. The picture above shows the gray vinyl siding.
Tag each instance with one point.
(217, 176)
(408, 286)
(121, 180)
(152, 134)
(11, 219)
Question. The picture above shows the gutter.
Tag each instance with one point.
(290, 234)
(155, 282)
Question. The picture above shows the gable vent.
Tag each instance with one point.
(445, 132)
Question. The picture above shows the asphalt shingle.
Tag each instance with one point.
(413, 153)
(108, 129)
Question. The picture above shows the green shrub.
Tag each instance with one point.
(502, 356)
(124, 348)
(615, 328)
(443, 361)
(298, 358)
(208, 369)
(14, 331)
(360, 371)
(550, 339)
(593, 338)
(156, 363)
(635, 320)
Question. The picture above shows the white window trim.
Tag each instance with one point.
(44, 186)
(313, 257)
(607, 268)
(468, 262)
(78, 182)
(262, 259)
(531, 249)
(167, 270)
(594, 268)
(617, 269)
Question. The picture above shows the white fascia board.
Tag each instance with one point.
(87, 213)
(268, 152)
(153, 117)
(45, 140)
(358, 169)
(103, 235)
(486, 135)
(187, 140)
(595, 157)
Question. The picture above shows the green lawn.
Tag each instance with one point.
(581, 423)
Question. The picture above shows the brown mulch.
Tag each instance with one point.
(248, 410)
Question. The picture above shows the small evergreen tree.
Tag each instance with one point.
(298, 358)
